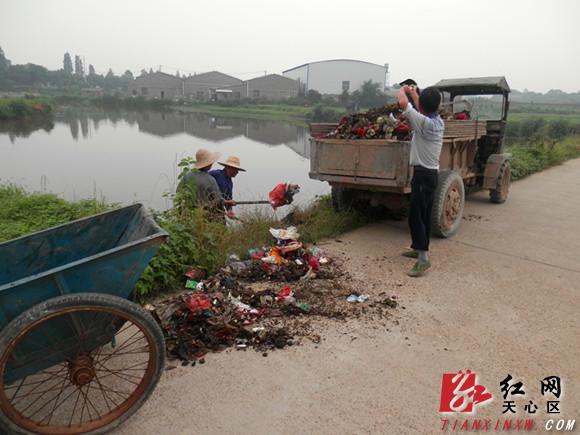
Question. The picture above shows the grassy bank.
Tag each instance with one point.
(16, 109)
(23, 212)
(283, 112)
(539, 154)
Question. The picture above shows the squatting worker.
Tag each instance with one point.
(203, 187)
(224, 178)
(427, 129)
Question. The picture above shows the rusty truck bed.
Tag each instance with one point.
(383, 164)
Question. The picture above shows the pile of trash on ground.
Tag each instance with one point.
(263, 302)
(379, 123)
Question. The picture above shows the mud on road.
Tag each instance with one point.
(501, 298)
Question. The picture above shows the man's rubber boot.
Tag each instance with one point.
(419, 269)
(411, 254)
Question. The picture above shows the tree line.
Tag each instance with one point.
(70, 76)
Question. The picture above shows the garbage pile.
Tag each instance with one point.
(262, 302)
(221, 311)
(378, 123)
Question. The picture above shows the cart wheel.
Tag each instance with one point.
(448, 204)
(88, 381)
(500, 193)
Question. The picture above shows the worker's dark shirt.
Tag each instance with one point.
(225, 183)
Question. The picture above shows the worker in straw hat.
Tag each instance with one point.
(224, 178)
(201, 187)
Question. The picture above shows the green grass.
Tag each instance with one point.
(531, 157)
(23, 108)
(23, 212)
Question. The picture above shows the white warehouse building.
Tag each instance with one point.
(336, 75)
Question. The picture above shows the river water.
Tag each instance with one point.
(129, 157)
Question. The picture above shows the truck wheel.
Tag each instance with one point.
(342, 198)
(448, 204)
(500, 193)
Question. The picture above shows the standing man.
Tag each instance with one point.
(201, 188)
(427, 128)
(224, 178)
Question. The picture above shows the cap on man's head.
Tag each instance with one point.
(408, 82)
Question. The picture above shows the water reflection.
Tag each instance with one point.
(199, 125)
(132, 156)
(23, 129)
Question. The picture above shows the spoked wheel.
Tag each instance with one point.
(79, 363)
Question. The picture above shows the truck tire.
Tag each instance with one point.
(342, 198)
(500, 193)
(448, 204)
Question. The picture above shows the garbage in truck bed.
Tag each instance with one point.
(384, 122)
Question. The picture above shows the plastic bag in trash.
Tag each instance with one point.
(290, 233)
(355, 297)
(238, 266)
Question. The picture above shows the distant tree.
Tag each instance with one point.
(4, 63)
(177, 74)
(128, 76)
(91, 70)
(67, 64)
(143, 72)
(27, 75)
(111, 80)
(79, 70)
(313, 97)
(371, 94)
(150, 70)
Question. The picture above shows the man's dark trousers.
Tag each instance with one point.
(423, 187)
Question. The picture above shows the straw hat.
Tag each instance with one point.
(205, 158)
(233, 162)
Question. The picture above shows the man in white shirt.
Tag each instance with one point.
(427, 128)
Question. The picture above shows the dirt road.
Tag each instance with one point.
(502, 298)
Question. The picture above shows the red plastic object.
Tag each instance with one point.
(286, 292)
(198, 302)
(278, 196)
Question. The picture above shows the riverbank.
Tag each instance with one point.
(281, 112)
(24, 108)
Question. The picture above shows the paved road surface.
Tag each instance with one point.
(502, 298)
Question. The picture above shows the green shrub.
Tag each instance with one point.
(535, 156)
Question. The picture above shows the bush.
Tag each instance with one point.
(24, 108)
(541, 154)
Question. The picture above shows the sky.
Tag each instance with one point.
(534, 43)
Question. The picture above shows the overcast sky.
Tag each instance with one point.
(535, 43)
